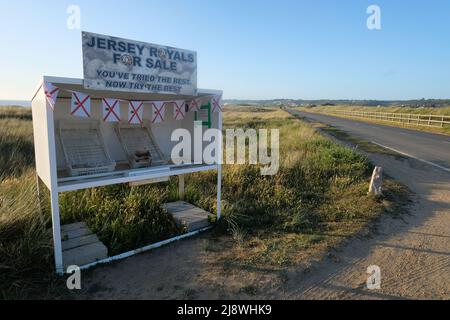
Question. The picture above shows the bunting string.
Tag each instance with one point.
(81, 106)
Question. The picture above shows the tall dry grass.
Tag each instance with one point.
(25, 236)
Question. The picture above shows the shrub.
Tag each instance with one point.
(123, 217)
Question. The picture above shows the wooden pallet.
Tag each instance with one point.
(188, 215)
(80, 246)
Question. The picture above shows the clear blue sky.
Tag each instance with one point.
(250, 49)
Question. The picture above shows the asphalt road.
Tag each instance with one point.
(430, 148)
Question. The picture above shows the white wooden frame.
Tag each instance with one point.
(46, 170)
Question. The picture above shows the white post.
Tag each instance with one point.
(376, 182)
(56, 224)
(219, 169)
(219, 191)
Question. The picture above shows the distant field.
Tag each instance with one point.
(317, 200)
(19, 103)
(15, 112)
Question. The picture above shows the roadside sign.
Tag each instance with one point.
(117, 64)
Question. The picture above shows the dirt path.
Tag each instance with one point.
(413, 253)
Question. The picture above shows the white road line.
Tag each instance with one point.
(414, 157)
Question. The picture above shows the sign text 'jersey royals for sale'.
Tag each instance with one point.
(117, 64)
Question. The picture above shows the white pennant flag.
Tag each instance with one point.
(195, 105)
(179, 110)
(81, 105)
(51, 93)
(135, 112)
(111, 110)
(216, 103)
(158, 111)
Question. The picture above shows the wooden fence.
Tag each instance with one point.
(427, 120)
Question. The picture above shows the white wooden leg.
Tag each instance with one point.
(219, 167)
(56, 232)
(38, 191)
(219, 191)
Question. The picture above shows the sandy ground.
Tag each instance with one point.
(413, 254)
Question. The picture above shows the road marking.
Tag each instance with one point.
(414, 157)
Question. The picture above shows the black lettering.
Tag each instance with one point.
(140, 49)
(131, 48)
(101, 43)
(91, 43)
(112, 45)
(122, 46)
(136, 61)
(153, 52)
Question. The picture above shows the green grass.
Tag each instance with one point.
(124, 218)
(318, 198)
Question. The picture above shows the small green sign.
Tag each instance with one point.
(204, 115)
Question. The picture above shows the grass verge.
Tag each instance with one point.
(317, 200)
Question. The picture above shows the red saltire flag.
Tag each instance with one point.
(51, 93)
(158, 111)
(81, 105)
(216, 103)
(111, 110)
(179, 109)
(195, 104)
(135, 112)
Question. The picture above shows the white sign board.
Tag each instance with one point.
(117, 64)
